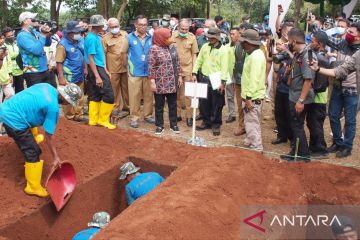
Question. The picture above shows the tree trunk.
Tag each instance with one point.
(297, 12)
(4, 14)
(121, 10)
(53, 5)
(322, 7)
(209, 5)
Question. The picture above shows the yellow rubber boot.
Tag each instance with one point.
(38, 137)
(104, 115)
(33, 174)
(94, 108)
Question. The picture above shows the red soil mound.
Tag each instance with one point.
(200, 200)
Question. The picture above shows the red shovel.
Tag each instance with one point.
(61, 184)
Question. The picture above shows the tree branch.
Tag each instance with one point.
(121, 10)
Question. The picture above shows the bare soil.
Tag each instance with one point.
(200, 198)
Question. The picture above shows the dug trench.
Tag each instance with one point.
(201, 199)
(102, 193)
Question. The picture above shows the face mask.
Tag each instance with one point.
(115, 31)
(206, 30)
(340, 31)
(291, 47)
(172, 23)
(77, 36)
(349, 38)
(10, 40)
(165, 23)
(183, 35)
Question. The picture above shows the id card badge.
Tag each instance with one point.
(143, 57)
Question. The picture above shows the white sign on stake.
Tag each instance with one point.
(195, 89)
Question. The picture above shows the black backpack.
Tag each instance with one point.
(321, 82)
(19, 61)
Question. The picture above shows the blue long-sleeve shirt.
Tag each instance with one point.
(86, 234)
(141, 185)
(31, 47)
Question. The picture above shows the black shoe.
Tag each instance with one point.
(278, 141)
(179, 119)
(216, 131)
(203, 126)
(334, 148)
(159, 130)
(343, 153)
(198, 117)
(319, 155)
(175, 129)
(189, 122)
(291, 158)
(230, 119)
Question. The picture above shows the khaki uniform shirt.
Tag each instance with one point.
(186, 48)
(115, 48)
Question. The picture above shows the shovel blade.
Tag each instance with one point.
(61, 184)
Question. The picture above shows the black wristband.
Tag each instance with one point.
(318, 70)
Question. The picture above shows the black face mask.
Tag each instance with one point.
(10, 40)
(291, 47)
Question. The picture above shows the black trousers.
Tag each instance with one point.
(211, 108)
(96, 93)
(26, 142)
(297, 127)
(282, 116)
(315, 122)
(18, 83)
(34, 78)
(159, 108)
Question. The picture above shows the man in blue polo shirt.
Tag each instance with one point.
(139, 85)
(101, 96)
(139, 184)
(36, 106)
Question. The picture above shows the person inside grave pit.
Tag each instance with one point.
(98, 222)
(139, 184)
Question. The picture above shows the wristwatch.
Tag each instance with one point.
(300, 100)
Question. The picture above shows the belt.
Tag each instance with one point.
(256, 101)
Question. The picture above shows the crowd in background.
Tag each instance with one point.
(119, 72)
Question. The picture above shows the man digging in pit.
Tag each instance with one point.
(99, 221)
(139, 184)
(36, 106)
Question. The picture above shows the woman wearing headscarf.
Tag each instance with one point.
(165, 77)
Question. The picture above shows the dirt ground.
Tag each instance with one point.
(228, 139)
(199, 200)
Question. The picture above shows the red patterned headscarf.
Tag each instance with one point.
(161, 36)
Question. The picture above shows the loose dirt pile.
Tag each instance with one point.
(200, 199)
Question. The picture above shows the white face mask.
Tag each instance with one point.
(340, 31)
(115, 30)
(77, 36)
(206, 30)
(172, 23)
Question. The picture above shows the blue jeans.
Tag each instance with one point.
(340, 101)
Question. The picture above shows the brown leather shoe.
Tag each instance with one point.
(239, 132)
